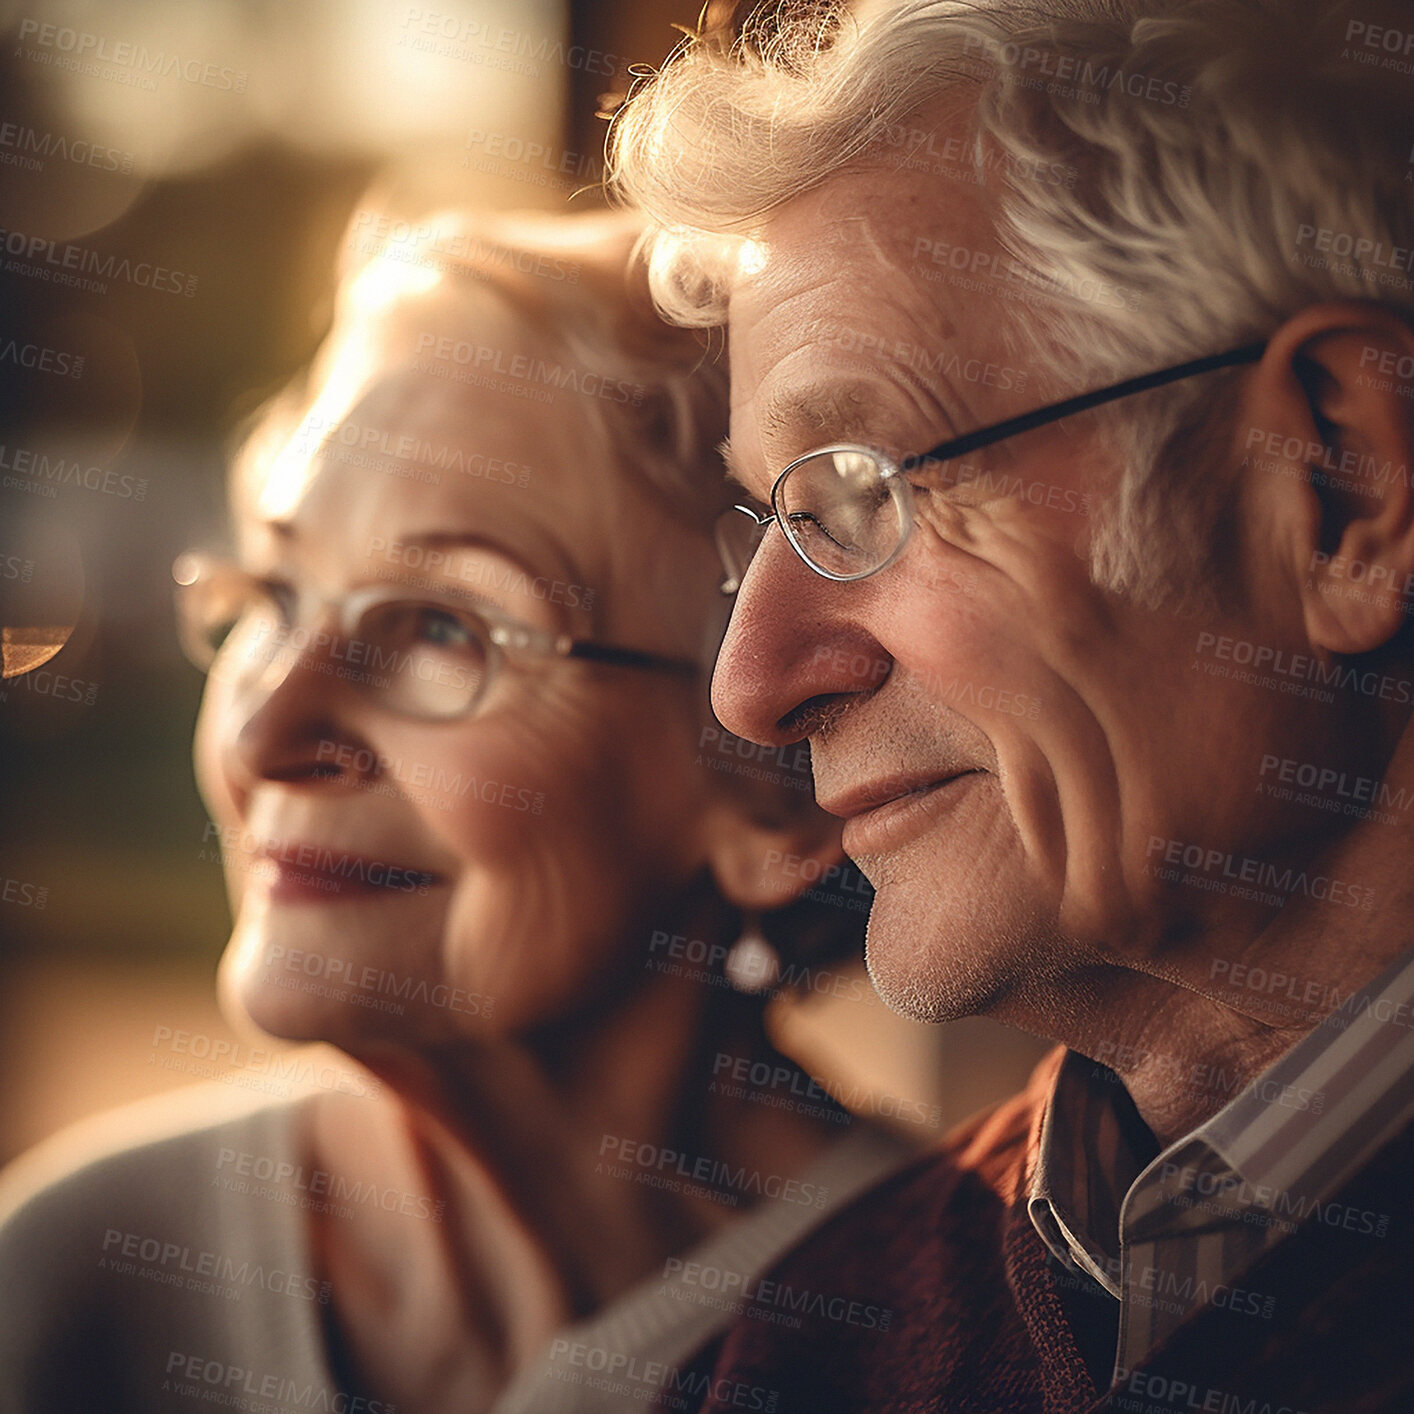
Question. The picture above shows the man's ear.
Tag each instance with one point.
(1330, 408)
(761, 864)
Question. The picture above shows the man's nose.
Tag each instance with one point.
(795, 646)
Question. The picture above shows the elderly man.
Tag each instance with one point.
(1073, 392)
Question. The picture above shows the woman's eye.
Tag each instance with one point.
(442, 628)
(279, 597)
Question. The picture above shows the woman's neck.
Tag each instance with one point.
(562, 1164)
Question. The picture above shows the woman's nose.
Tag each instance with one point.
(297, 718)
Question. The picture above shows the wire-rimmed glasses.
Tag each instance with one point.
(847, 510)
(415, 657)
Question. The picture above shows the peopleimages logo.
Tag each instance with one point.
(763, 1299)
(83, 52)
(1310, 455)
(1331, 789)
(1365, 250)
(208, 1381)
(1030, 65)
(995, 272)
(1281, 1206)
(38, 358)
(29, 148)
(86, 268)
(453, 36)
(267, 1070)
(374, 232)
(1181, 1397)
(1280, 882)
(661, 1167)
(1298, 673)
(202, 1270)
(541, 375)
(37, 471)
(289, 1182)
(635, 1377)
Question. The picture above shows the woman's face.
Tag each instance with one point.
(557, 826)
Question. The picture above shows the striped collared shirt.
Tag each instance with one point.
(1168, 1232)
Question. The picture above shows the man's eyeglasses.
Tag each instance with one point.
(413, 657)
(847, 510)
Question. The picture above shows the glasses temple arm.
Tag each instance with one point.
(1053, 412)
(628, 657)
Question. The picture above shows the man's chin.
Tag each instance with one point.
(941, 955)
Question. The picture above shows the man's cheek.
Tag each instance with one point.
(965, 662)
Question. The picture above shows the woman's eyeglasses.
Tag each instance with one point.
(410, 656)
(847, 510)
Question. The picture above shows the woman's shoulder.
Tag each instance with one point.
(124, 1248)
(136, 1157)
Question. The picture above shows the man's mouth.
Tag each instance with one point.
(886, 814)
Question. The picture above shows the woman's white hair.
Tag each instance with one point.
(1233, 161)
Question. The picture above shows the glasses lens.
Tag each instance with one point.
(221, 610)
(842, 512)
(738, 533)
(424, 660)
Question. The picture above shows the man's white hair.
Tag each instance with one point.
(1231, 161)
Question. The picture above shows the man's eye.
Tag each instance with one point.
(808, 525)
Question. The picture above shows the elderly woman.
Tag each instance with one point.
(453, 744)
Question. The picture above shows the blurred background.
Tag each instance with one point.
(176, 184)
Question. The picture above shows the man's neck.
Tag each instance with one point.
(1188, 1033)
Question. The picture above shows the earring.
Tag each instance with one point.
(752, 965)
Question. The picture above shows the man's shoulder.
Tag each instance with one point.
(902, 1293)
(945, 1196)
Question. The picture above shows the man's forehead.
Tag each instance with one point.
(876, 211)
(864, 219)
(837, 328)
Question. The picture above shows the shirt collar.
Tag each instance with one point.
(1303, 1126)
(1093, 1146)
(1312, 1119)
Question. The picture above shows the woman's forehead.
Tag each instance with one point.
(419, 423)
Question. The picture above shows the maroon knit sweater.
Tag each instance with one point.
(985, 1321)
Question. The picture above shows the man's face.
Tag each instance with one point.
(1006, 740)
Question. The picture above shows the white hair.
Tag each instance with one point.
(1232, 162)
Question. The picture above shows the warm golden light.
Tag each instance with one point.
(22, 650)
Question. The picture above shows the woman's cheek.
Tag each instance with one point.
(532, 938)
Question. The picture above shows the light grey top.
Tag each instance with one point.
(135, 1275)
(619, 1358)
(158, 1259)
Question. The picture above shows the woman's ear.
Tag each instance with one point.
(760, 864)
(1331, 408)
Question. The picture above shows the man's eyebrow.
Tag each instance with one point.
(848, 410)
(802, 417)
(805, 416)
(735, 475)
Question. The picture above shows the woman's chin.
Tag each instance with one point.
(250, 1003)
(255, 991)
(311, 993)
